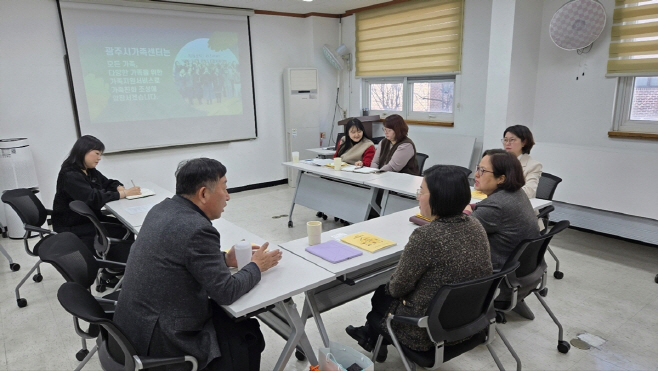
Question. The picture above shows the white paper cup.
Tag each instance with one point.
(314, 229)
(338, 163)
(295, 157)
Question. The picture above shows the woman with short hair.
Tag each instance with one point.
(355, 147)
(452, 248)
(396, 152)
(518, 140)
(506, 214)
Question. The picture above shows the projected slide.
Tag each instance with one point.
(144, 74)
(150, 77)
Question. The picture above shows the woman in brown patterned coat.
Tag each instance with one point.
(452, 248)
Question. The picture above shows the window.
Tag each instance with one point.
(636, 108)
(424, 99)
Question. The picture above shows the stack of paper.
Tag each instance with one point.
(361, 169)
(333, 251)
(367, 241)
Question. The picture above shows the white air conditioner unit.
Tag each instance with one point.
(302, 114)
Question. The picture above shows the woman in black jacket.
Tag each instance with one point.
(78, 179)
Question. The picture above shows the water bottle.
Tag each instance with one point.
(243, 253)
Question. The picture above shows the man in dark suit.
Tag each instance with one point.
(177, 275)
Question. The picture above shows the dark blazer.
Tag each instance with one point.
(174, 269)
(508, 218)
(445, 251)
(94, 189)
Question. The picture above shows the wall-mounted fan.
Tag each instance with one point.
(577, 24)
(335, 57)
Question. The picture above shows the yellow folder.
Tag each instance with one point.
(478, 195)
(367, 241)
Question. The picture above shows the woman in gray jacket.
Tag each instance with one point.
(452, 248)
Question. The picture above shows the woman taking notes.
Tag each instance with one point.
(518, 141)
(452, 248)
(78, 179)
(396, 152)
(355, 147)
(506, 214)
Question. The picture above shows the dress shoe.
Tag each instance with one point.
(361, 335)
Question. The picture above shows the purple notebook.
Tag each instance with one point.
(334, 251)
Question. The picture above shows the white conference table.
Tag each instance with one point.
(360, 275)
(407, 185)
(323, 152)
(342, 194)
(276, 287)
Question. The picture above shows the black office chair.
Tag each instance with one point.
(73, 260)
(458, 311)
(108, 248)
(420, 159)
(529, 278)
(33, 215)
(13, 266)
(545, 191)
(115, 351)
(376, 140)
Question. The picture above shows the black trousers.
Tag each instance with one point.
(381, 302)
(240, 342)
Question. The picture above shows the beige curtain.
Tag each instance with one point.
(634, 39)
(414, 38)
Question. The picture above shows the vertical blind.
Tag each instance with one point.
(413, 38)
(634, 39)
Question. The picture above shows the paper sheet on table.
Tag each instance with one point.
(360, 169)
(145, 193)
(138, 209)
(318, 161)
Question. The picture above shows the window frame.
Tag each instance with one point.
(622, 113)
(430, 118)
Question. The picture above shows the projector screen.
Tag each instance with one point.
(146, 78)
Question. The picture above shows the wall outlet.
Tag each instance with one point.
(344, 114)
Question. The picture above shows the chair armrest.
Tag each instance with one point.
(416, 321)
(149, 362)
(32, 228)
(110, 264)
(543, 213)
(114, 240)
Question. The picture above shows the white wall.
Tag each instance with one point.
(34, 99)
(571, 121)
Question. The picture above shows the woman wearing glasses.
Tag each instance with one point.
(396, 152)
(506, 214)
(518, 141)
(452, 248)
(355, 147)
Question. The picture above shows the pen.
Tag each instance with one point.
(131, 181)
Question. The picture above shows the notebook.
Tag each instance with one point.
(145, 193)
(333, 251)
(367, 241)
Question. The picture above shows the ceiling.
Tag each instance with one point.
(291, 6)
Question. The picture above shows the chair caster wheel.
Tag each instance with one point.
(324, 216)
(100, 288)
(656, 279)
(80, 355)
(336, 219)
(290, 224)
(544, 292)
(558, 275)
(22, 303)
(14, 267)
(319, 214)
(37, 277)
(300, 356)
(500, 317)
(563, 346)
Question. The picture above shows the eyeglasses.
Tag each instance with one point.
(506, 140)
(480, 170)
(419, 193)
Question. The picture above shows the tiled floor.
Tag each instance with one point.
(608, 291)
